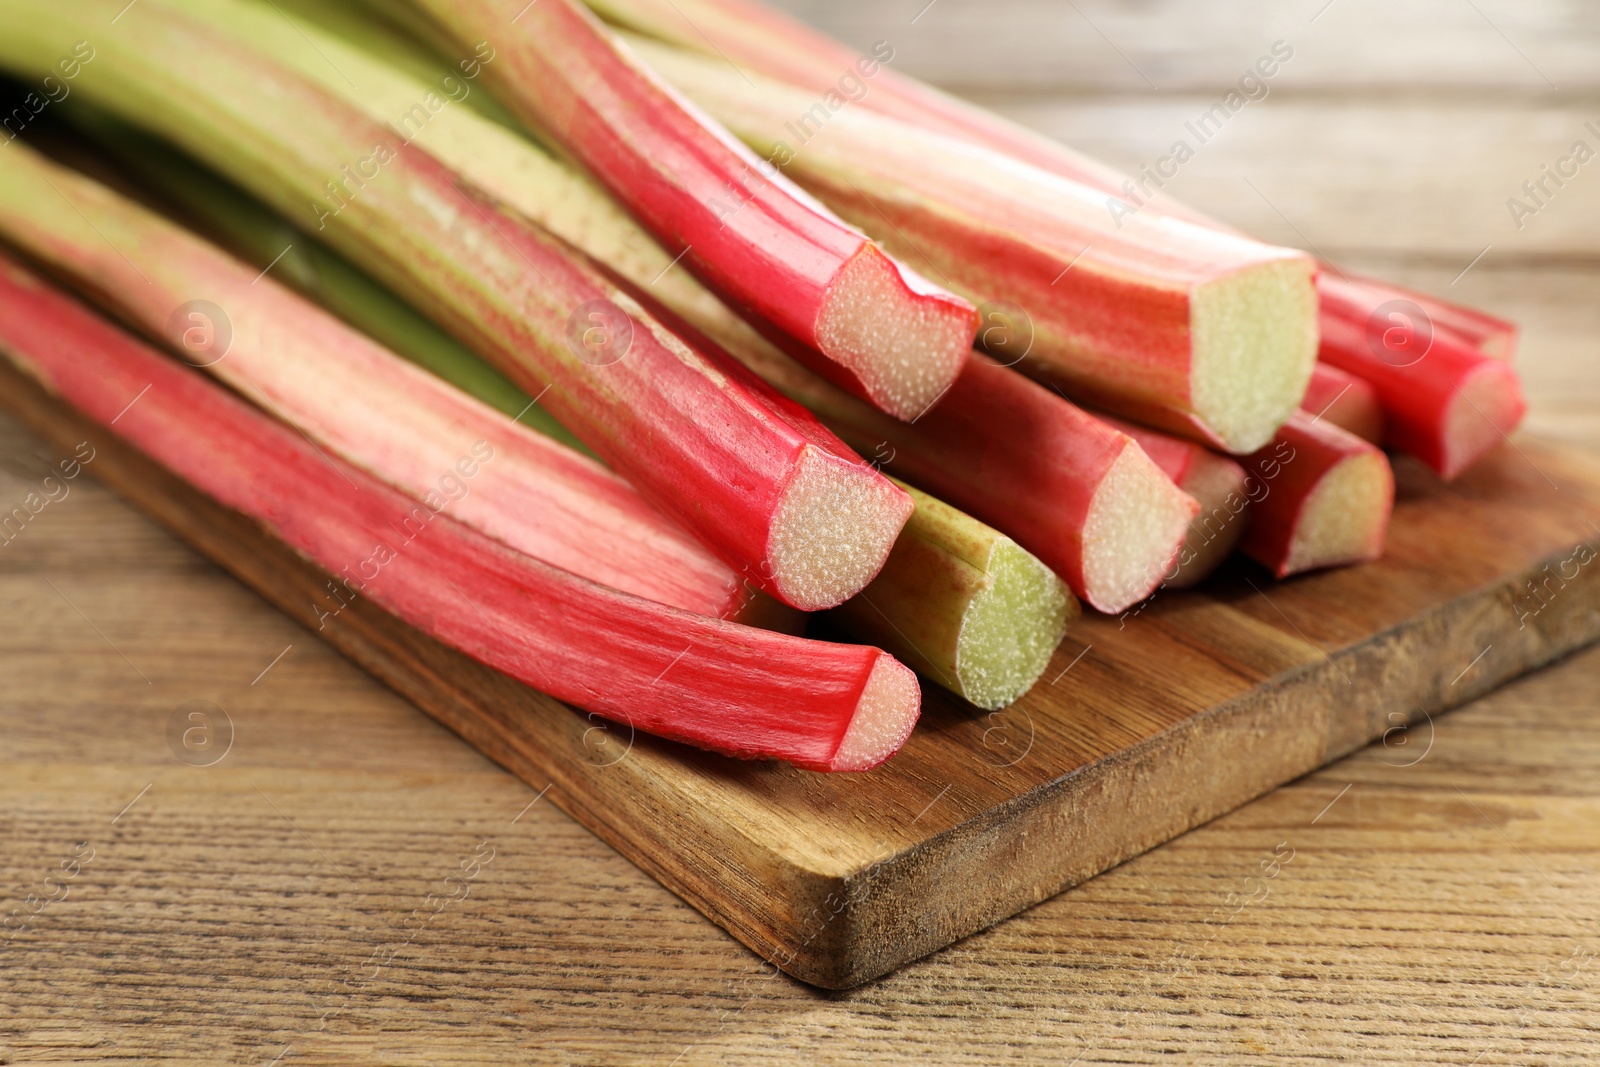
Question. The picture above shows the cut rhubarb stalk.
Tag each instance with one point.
(1081, 496)
(576, 209)
(1443, 402)
(1218, 485)
(831, 296)
(732, 689)
(759, 40)
(1000, 612)
(1320, 497)
(1346, 401)
(445, 450)
(753, 476)
(1155, 310)
(1054, 529)
(984, 609)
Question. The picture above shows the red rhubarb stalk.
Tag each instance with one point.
(497, 160)
(755, 477)
(835, 300)
(1354, 298)
(1079, 495)
(718, 685)
(760, 40)
(1346, 401)
(1155, 310)
(395, 420)
(1443, 401)
(1218, 484)
(1320, 497)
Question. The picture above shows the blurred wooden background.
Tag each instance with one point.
(1440, 904)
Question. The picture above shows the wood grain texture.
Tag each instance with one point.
(1436, 912)
(1101, 47)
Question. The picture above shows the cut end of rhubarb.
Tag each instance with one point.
(1483, 412)
(1346, 517)
(832, 530)
(888, 709)
(1134, 531)
(903, 340)
(1255, 342)
(1220, 487)
(1012, 628)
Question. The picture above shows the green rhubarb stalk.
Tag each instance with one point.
(962, 604)
(259, 235)
(390, 81)
(822, 288)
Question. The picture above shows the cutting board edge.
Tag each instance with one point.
(1069, 798)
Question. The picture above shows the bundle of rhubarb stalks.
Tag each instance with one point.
(603, 344)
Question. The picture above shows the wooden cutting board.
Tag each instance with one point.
(1143, 727)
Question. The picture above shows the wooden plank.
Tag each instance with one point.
(1103, 47)
(839, 879)
(1402, 177)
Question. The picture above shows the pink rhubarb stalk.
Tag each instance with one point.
(835, 300)
(763, 41)
(718, 685)
(1320, 497)
(1218, 484)
(1079, 495)
(754, 476)
(373, 409)
(1353, 298)
(1443, 401)
(1346, 401)
(1155, 310)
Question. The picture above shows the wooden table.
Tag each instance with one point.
(1434, 901)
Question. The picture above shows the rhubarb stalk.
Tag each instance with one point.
(1320, 497)
(1352, 298)
(1155, 310)
(1346, 401)
(760, 40)
(832, 296)
(998, 612)
(718, 685)
(1443, 401)
(1078, 494)
(959, 602)
(755, 477)
(399, 423)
